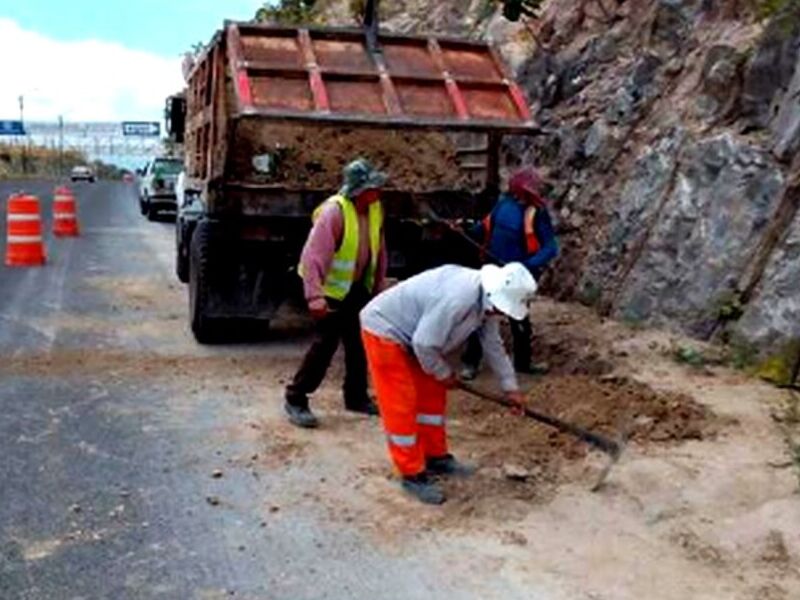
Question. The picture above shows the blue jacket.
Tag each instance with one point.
(508, 235)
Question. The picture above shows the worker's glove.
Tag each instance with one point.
(318, 308)
(517, 399)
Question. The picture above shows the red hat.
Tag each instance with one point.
(526, 183)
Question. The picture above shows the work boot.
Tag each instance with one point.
(448, 465)
(364, 406)
(468, 372)
(533, 369)
(423, 488)
(300, 415)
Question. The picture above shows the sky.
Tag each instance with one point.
(101, 60)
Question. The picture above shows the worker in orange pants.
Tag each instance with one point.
(411, 402)
(408, 332)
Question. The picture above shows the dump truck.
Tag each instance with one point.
(272, 115)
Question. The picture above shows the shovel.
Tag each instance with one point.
(427, 209)
(612, 448)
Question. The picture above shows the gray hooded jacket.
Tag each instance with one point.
(432, 314)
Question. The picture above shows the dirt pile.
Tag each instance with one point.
(622, 405)
(521, 459)
(313, 157)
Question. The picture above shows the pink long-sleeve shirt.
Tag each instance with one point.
(322, 243)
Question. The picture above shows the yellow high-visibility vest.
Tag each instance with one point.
(342, 272)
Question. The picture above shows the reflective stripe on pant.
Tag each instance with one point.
(411, 402)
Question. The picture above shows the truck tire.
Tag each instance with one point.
(206, 330)
(181, 254)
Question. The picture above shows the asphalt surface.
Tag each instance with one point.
(109, 444)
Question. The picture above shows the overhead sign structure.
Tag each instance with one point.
(141, 128)
(12, 128)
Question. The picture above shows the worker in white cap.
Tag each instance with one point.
(409, 331)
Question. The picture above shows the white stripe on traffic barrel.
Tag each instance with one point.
(13, 218)
(24, 239)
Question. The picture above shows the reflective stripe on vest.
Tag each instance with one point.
(532, 245)
(340, 277)
(531, 241)
(404, 441)
(435, 420)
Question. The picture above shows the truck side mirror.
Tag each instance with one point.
(175, 117)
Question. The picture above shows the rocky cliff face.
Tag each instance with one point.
(672, 138)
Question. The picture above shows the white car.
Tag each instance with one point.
(81, 173)
(157, 185)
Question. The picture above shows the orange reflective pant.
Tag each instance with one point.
(411, 402)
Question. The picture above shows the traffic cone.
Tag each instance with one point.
(65, 214)
(24, 247)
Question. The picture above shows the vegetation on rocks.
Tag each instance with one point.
(290, 12)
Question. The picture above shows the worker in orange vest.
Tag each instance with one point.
(518, 229)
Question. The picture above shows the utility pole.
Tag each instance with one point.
(60, 146)
(25, 141)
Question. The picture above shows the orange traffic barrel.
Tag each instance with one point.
(65, 213)
(24, 245)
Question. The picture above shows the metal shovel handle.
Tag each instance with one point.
(607, 445)
(434, 216)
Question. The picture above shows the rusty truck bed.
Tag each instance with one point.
(254, 79)
(332, 75)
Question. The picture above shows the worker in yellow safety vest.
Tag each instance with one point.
(343, 265)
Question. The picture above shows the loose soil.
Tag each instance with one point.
(313, 157)
(525, 460)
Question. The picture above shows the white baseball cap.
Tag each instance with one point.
(509, 289)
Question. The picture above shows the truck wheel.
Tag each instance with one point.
(181, 255)
(205, 329)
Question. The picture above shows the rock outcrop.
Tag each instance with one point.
(673, 141)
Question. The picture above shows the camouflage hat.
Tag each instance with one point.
(359, 176)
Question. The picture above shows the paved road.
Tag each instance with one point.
(113, 421)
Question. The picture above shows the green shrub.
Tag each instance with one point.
(289, 12)
(689, 356)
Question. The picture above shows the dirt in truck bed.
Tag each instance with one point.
(312, 157)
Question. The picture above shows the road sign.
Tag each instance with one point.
(12, 128)
(141, 128)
